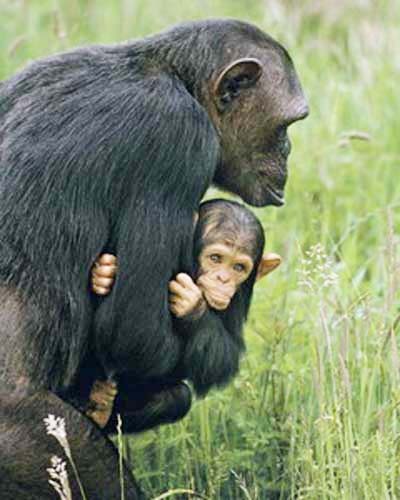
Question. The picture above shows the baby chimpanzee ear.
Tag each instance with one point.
(268, 263)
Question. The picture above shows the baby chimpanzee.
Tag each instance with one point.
(228, 248)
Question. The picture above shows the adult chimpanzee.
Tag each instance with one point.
(113, 148)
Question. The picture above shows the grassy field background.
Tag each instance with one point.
(315, 411)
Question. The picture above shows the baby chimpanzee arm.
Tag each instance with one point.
(213, 348)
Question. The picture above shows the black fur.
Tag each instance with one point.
(211, 345)
(81, 170)
(103, 148)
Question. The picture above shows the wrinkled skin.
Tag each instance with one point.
(253, 124)
(223, 268)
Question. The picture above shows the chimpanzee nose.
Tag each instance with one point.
(224, 276)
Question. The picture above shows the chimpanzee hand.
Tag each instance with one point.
(218, 295)
(103, 274)
(101, 401)
(185, 297)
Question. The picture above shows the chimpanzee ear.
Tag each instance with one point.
(268, 263)
(239, 75)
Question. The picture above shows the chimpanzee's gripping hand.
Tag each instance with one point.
(101, 402)
(103, 274)
(185, 297)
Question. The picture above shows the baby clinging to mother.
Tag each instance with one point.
(228, 243)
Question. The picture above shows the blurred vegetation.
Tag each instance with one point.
(315, 412)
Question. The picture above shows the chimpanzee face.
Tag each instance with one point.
(223, 267)
(253, 101)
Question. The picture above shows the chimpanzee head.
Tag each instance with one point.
(252, 97)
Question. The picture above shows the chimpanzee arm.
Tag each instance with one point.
(149, 404)
(211, 355)
(214, 344)
(152, 232)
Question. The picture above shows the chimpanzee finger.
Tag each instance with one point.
(99, 400)
(102, 282)
(173, 299)
(188, 292)
(101, 291)
(179, 312)
(103, 393)
(103, 271)
(107, 259)
(178, 302)
(110, 389)
(174, 302)
(185, 280)
(175, 309)
(176, 288)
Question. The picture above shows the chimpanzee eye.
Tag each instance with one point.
(240, 268)
(215, 257)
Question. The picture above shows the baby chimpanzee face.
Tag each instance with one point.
(223, 267)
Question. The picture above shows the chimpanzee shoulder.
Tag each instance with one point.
(114, 143)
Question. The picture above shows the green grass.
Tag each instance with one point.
(315, 411)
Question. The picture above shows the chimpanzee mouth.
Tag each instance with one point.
(277, 196)
(275, 191)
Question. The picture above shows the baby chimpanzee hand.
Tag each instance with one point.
(103, 274)
(185, 297)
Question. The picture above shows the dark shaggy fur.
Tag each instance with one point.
(210, 346)
(104, 148)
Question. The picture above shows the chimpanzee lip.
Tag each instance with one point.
(277, 195)
(274, 187)
(266, 195)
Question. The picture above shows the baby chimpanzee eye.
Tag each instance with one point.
(215, 257)
(240, 268)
